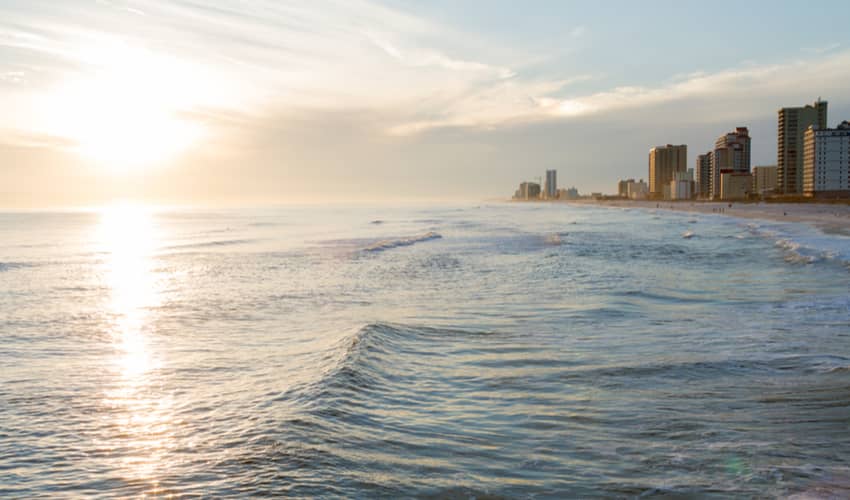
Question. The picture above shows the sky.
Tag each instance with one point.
(257, 102)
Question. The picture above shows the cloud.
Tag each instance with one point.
(821, 50)
(245, 57)
(488, 104)
(749, 87)
(338, 56)
(752, 83)
(15, 138)
(423, 58)
(13, 77)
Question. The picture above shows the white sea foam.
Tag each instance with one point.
(804, 244)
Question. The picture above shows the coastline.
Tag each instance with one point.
(829, 218)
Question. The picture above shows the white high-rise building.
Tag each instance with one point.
(826, 162)
(681, 187)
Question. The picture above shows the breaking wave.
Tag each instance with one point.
(387, 358)
(414, 392)
(805, 245)
(209, 244)
(382, 245)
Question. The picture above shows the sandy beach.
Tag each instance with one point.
(830, 218)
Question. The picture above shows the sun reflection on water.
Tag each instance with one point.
(128, 236)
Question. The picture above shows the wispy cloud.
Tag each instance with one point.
(752, 83)
(488, 104)
(251, 56)
(33, 140)
(13, 77)
(749, 87)
(258, 55)
(823, 49)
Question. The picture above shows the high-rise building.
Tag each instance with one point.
(568, 194)
(664, 161)
(764, 180)
(731, 152)
(681, 187)
(636, 190)
(527, 191)
(826, 162)
(703, 175)
(530, 190)
(792, 125)
(735, 185)
(550, 190)
(623, 188)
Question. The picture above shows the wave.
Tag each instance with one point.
(802, 253)
(659, 296)
(380, 357)
(370, 358)
(805, 245)
(707, 369)
(382, 245)
(209, 244)
(417, 392)
(9, 266)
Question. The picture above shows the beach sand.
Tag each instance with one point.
(830, 218)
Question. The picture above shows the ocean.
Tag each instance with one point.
(471, 351)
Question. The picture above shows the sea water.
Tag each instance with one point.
(516, 350)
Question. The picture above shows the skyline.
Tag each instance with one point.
(179, 103)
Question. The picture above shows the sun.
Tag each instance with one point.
(126, 114)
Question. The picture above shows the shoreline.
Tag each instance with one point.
(829, 218)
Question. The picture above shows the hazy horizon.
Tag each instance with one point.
(274, 103)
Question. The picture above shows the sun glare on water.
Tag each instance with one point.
(128, 237)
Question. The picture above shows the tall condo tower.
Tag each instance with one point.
(702, 174)
(664, 162)
(551, 186)
(826, 162)
(731, 152)
(792, 125)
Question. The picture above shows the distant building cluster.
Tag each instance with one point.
(812, 161)
(531, 191)
(633, 190)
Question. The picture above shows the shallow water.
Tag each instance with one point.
(516, 350)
